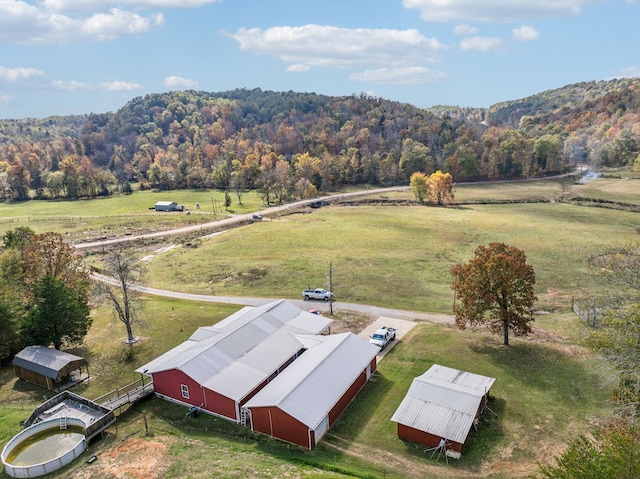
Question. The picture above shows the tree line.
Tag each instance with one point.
(294, 145)
(44, 292)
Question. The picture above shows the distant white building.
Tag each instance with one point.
(167, 206)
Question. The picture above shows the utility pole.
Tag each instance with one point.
(330, 288)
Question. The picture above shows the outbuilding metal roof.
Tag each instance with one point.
(243, 350)
(443, 402)
(310, 387)
(45, 361)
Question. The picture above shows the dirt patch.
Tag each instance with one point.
(349, 321)
(132, 458)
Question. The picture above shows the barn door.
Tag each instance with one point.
(322, 428)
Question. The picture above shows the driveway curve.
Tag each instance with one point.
(375, 311)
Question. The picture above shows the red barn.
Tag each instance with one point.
(221, 367)
(302, 403)
(442, 405)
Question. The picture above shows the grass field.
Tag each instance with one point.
(548, 387)
(408, 249)
(88, 219)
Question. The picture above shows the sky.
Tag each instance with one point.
(61, 57)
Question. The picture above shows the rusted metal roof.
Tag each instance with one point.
(443, 402)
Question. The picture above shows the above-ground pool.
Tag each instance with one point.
(44, 447)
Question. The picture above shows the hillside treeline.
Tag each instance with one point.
(295, 145)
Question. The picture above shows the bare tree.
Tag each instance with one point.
(124, 272)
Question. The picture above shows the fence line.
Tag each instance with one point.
(589, 315)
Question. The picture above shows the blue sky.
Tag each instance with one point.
(60, 57)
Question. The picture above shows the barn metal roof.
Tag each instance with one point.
(258, 339)
(45, 361)
(315, 382)
(444, 402)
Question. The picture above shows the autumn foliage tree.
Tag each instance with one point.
(617, 337)
(57, 292)
(440, 188)
(418, 184)
(495, 288)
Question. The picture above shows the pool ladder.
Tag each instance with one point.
(63, 422)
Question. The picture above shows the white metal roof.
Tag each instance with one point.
(267, 329)
(443, 401)
(44, 360)
(315, 382)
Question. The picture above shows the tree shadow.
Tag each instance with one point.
(539, 367)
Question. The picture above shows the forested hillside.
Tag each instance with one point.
(293, 145)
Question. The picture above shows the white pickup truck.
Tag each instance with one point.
(317, 293)
(383, 336)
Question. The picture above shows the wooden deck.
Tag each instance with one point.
(127, 395)
(97, 414)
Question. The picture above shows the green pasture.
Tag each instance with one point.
(87, 219)
(395, 256)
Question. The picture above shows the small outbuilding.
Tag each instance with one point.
(306, 399)
(442, 406)
(50, 368)
(167, 206)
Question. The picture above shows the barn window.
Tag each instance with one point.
(185, 391)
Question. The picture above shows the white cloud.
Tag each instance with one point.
(20, 75)
(117, 23)
(525, 33)
(465, 30)
(629, 72)
(483, 44)
(299, 68)
(327, 46)
(33, 79)
(69, 85)
(84, 6)
(400, 76)
(494, 10)
(122, 86)
(4, 99)
(179, 83)
(28, 24)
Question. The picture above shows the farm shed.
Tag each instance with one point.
(303, 402)
(166, 206)
(443, 403)
(49, 368)
(220, 367)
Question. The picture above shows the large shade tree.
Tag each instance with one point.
(57, 290)
(495, 288)
(58, 314)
